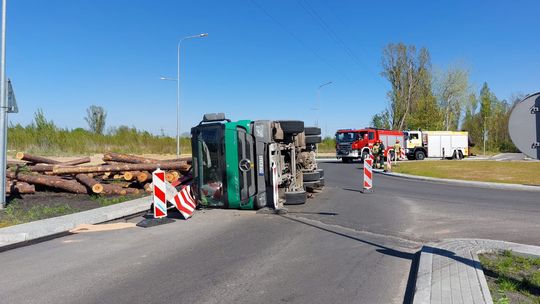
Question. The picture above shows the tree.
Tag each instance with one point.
(95, 117)
(409, 73)
(451, 90)
(381, 120)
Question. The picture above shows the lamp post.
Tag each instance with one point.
(178, 89)
(318, 108)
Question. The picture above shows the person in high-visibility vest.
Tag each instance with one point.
(397, 149)
(375, 151)
(381, 154)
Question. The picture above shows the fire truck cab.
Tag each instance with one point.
(354, 144)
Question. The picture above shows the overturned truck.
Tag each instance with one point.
(254, 164)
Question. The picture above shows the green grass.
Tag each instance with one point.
(488, 171)
(50, 140)
(512, 278)
(16, 214)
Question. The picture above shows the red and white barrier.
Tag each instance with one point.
(182, 200)
(402, 155)
(159, 198)
(368, 173)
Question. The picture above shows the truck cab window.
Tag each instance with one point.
(371, 136)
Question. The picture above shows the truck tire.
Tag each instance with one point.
(321, 172)
(295, 198)
(419, 155)
(291, 126)
(311, 176)
(312, 131)
(313, 139)
(311, 186)
(321, 182)
(457, 155)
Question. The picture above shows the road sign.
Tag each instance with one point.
(12, 102)
(524, 125)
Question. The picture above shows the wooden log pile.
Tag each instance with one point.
(120, 174)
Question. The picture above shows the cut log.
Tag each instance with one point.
(35, 159)
(169, 177)
(89, 182)
(13, 163)
(132, 190)
(183, 167)
(175, 173)
(128, 158)
(113, 189)
(148, 187)
(50, 181)
(131, 175)
(20, 188)
(75, 162)
(181, 159)
(144, 177)
(118, 176)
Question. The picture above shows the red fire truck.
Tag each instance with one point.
(354, 144)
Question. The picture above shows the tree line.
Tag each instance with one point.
(421, 98)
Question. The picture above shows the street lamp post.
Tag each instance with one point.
(178, 89)
(318, 108)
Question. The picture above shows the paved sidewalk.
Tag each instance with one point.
(450, 272)
(38, 229)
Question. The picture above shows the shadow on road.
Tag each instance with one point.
(317, 213)
(413, 257)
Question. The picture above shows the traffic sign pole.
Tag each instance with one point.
(3, 110)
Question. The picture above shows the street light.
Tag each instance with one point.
(318, 108)
(177, 79)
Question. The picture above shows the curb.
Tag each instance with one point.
(43, 228)
(478, 290)
(489, 185)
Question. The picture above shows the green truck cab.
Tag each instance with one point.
(248, 164)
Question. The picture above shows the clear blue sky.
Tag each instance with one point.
(64, 56)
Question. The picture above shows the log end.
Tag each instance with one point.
(19, 155)
(97, 188)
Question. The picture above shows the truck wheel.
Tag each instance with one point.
(313, 139)
(312, 131)
(321, 182)
(419, 155)
(460, 154)
(311, 186)
(321, 172)
(295, 198)
(292, 126)
(311, 176)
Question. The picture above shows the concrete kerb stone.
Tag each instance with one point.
(48, 227)
(488, 185)
(455, 253)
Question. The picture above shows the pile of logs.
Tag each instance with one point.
(120, 174)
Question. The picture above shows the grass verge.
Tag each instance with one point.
(45, 205)
(512, 278)
(15, 213)
(486, 171)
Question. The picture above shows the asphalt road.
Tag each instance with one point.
(341, 247)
